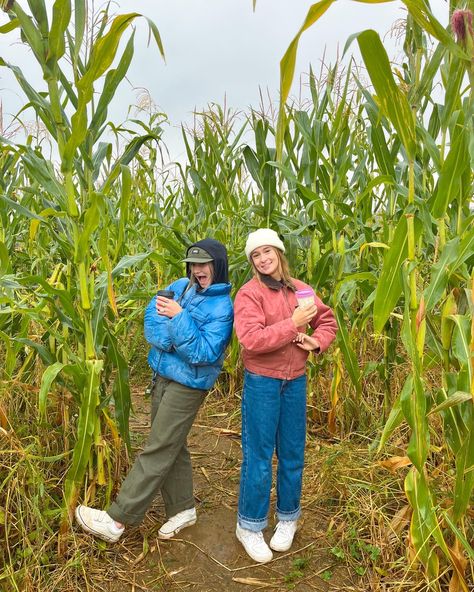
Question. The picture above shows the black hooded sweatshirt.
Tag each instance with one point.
(218, 253)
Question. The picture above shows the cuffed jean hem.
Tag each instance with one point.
(124, 517)
(253, 525)
(288, 515)
(177, 508)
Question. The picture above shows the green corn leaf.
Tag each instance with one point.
(390, 286)
(413, 403)
(450, 408)
(30, 32)
(380, 180)
(43, 172)
(454, 254)
(103, 245)
(422, 14)
(362, 276)
(46, 381)
(452, 99)
(79, 27)
(55, 297)
(17, 207)
(102, 55)
(424, 523)
(393, 102)
(129, 261)
(112, 81)
(9, 361)
(455, 399)
(317, 204)
(395, 417)
(350, 358)
(60, 22)
(41, 106)
(128, 155)
(38, 10)
(450, 177)
(252, 165)
(10, 26)
(85, 431)
(5, 265)
(124, 205)
(440, 274)
(121, 388)
(45, 355)
(461, 342)
(287, 67)
(99, 310)
(91, 222)
(103, 152)
(156, 35)
(459, 535)
(423, 88)
(464, 472)
(104, 51)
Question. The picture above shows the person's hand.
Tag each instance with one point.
(302, 316)
(167, 307)
(307, 342)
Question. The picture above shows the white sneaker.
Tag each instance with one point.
(98, 523)
(254, 544)
(178, 522)
(284, 534)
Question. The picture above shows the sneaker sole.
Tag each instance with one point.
(249, 554)
(170, 535)
(87, 528)
(280, 548)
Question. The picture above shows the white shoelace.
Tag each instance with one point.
(256, 538)
(103, 517)
(285, 528)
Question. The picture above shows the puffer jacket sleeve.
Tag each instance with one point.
(157, 326)
(250, 327)
(324, 325)
(201, 344)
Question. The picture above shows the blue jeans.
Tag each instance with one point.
(273, 419)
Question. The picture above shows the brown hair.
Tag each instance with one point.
(283, 269)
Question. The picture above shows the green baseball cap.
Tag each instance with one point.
(197, 255)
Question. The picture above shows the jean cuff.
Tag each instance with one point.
(251, 524)
(288, 515)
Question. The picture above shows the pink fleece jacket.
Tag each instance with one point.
(266, 331)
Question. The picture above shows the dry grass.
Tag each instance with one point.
(355, 511)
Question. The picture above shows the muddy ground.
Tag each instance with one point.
(207, 557)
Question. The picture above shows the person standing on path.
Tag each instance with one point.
(188, 333)
(271, 328)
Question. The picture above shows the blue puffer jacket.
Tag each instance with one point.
(189, 348)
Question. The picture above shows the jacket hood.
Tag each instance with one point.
(219, 255)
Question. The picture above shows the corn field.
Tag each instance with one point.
(370, 183)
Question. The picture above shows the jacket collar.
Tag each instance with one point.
(272, 283)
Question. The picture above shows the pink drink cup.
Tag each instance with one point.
(305, 298)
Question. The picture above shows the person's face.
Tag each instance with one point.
(202, 273)
(266, 261)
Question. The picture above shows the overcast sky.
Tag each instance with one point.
(221, 48)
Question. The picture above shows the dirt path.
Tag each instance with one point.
(207, 557)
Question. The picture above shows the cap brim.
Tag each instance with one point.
(194, 260)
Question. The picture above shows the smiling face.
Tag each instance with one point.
(266, 261)
(203, 273)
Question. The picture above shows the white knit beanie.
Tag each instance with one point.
(263, 237)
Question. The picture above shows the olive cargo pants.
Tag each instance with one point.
(165, 462)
